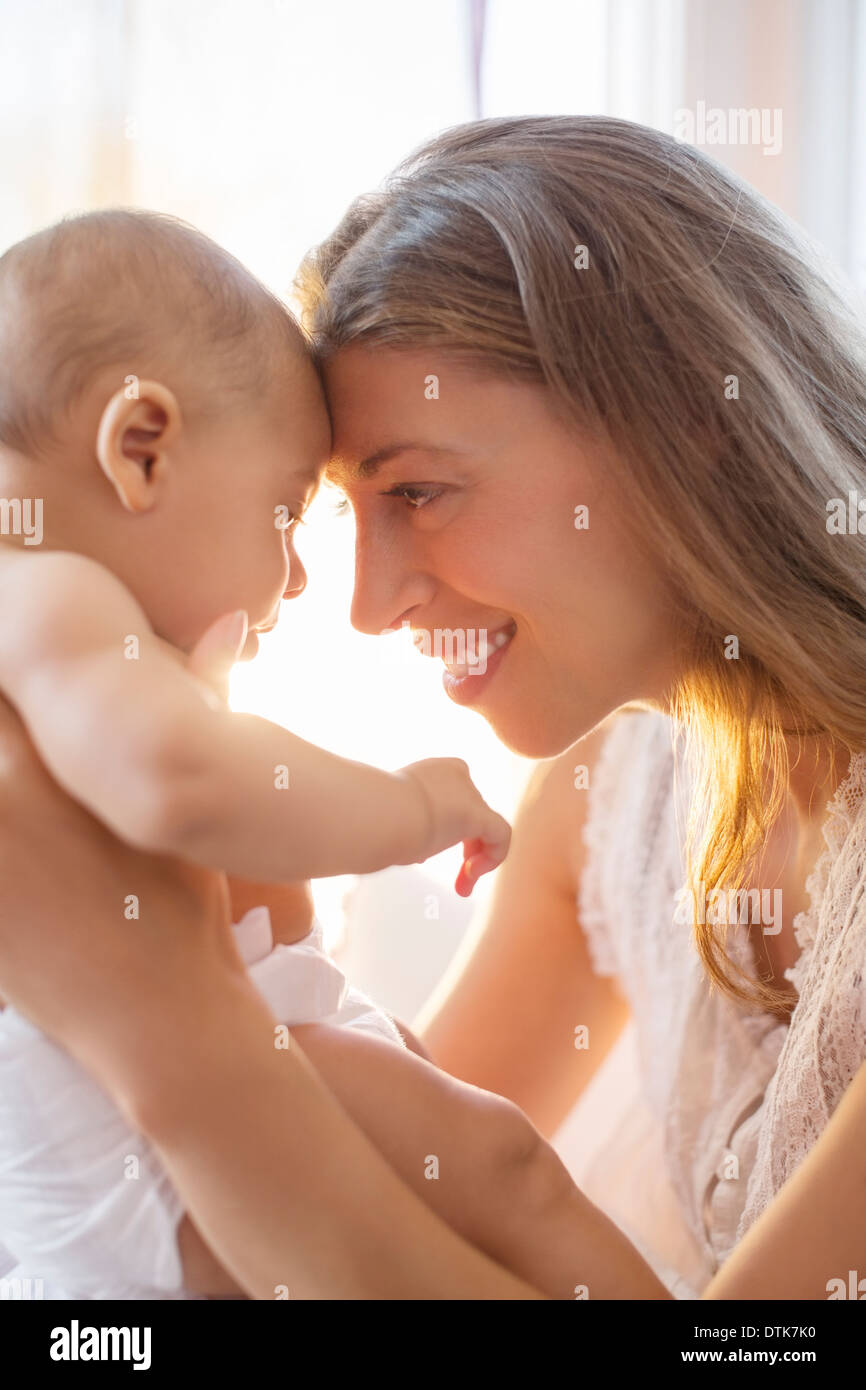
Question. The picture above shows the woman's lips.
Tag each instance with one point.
(464, 683)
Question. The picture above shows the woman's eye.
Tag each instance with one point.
(415, 495)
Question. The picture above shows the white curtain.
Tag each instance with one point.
(807, 59)
(646, 60)
(260, 119)
(256, 119)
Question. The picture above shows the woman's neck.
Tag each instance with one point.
(814, 778)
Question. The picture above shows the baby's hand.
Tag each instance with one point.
(458, 812)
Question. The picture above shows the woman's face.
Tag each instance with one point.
(464, 488)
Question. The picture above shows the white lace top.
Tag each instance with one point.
(740, 1097)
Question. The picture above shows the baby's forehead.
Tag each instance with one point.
(297, 402)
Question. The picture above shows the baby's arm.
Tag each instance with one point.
(476, 1160)
(148, 748)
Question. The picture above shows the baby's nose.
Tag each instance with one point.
(297, 579)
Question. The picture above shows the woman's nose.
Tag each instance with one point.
(386, 584)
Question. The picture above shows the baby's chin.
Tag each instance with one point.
(250, 647)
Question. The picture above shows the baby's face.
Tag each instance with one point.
(200, 518)
(250, 478)
(195, 515)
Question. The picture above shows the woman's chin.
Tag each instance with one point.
(531, 736)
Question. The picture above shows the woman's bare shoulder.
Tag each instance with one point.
(552, 788)
(556, 800)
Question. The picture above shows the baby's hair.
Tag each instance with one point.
(141, 292)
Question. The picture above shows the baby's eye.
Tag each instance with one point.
(287, 518)
(416, 495)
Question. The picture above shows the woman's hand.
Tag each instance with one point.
(97, 938)
(290, 906)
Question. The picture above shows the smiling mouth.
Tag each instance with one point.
(464, 652)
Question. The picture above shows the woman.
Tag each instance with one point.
(625, 342)
(589, 394)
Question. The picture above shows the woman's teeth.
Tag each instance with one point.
(477, 653)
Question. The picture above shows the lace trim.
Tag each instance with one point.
(637, 741)
(595, 833)
(841, 813)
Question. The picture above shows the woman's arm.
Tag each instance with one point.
(284, 1188)
(282, 1185)
(504, 1018)
(156, 1004)
(498, 1184)
(287, 1192)
(814, 1231)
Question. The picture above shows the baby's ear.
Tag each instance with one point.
(136, 430)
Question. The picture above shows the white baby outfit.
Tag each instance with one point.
(723, 1084)
(85, 1205)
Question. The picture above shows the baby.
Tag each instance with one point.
(161, 419)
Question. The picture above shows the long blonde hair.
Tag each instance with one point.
(703, 333)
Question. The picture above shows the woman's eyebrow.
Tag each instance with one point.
(369, 466)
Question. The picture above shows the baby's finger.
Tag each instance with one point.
(479, 857)
(463, 884)
(478, 865)
(496, 838)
